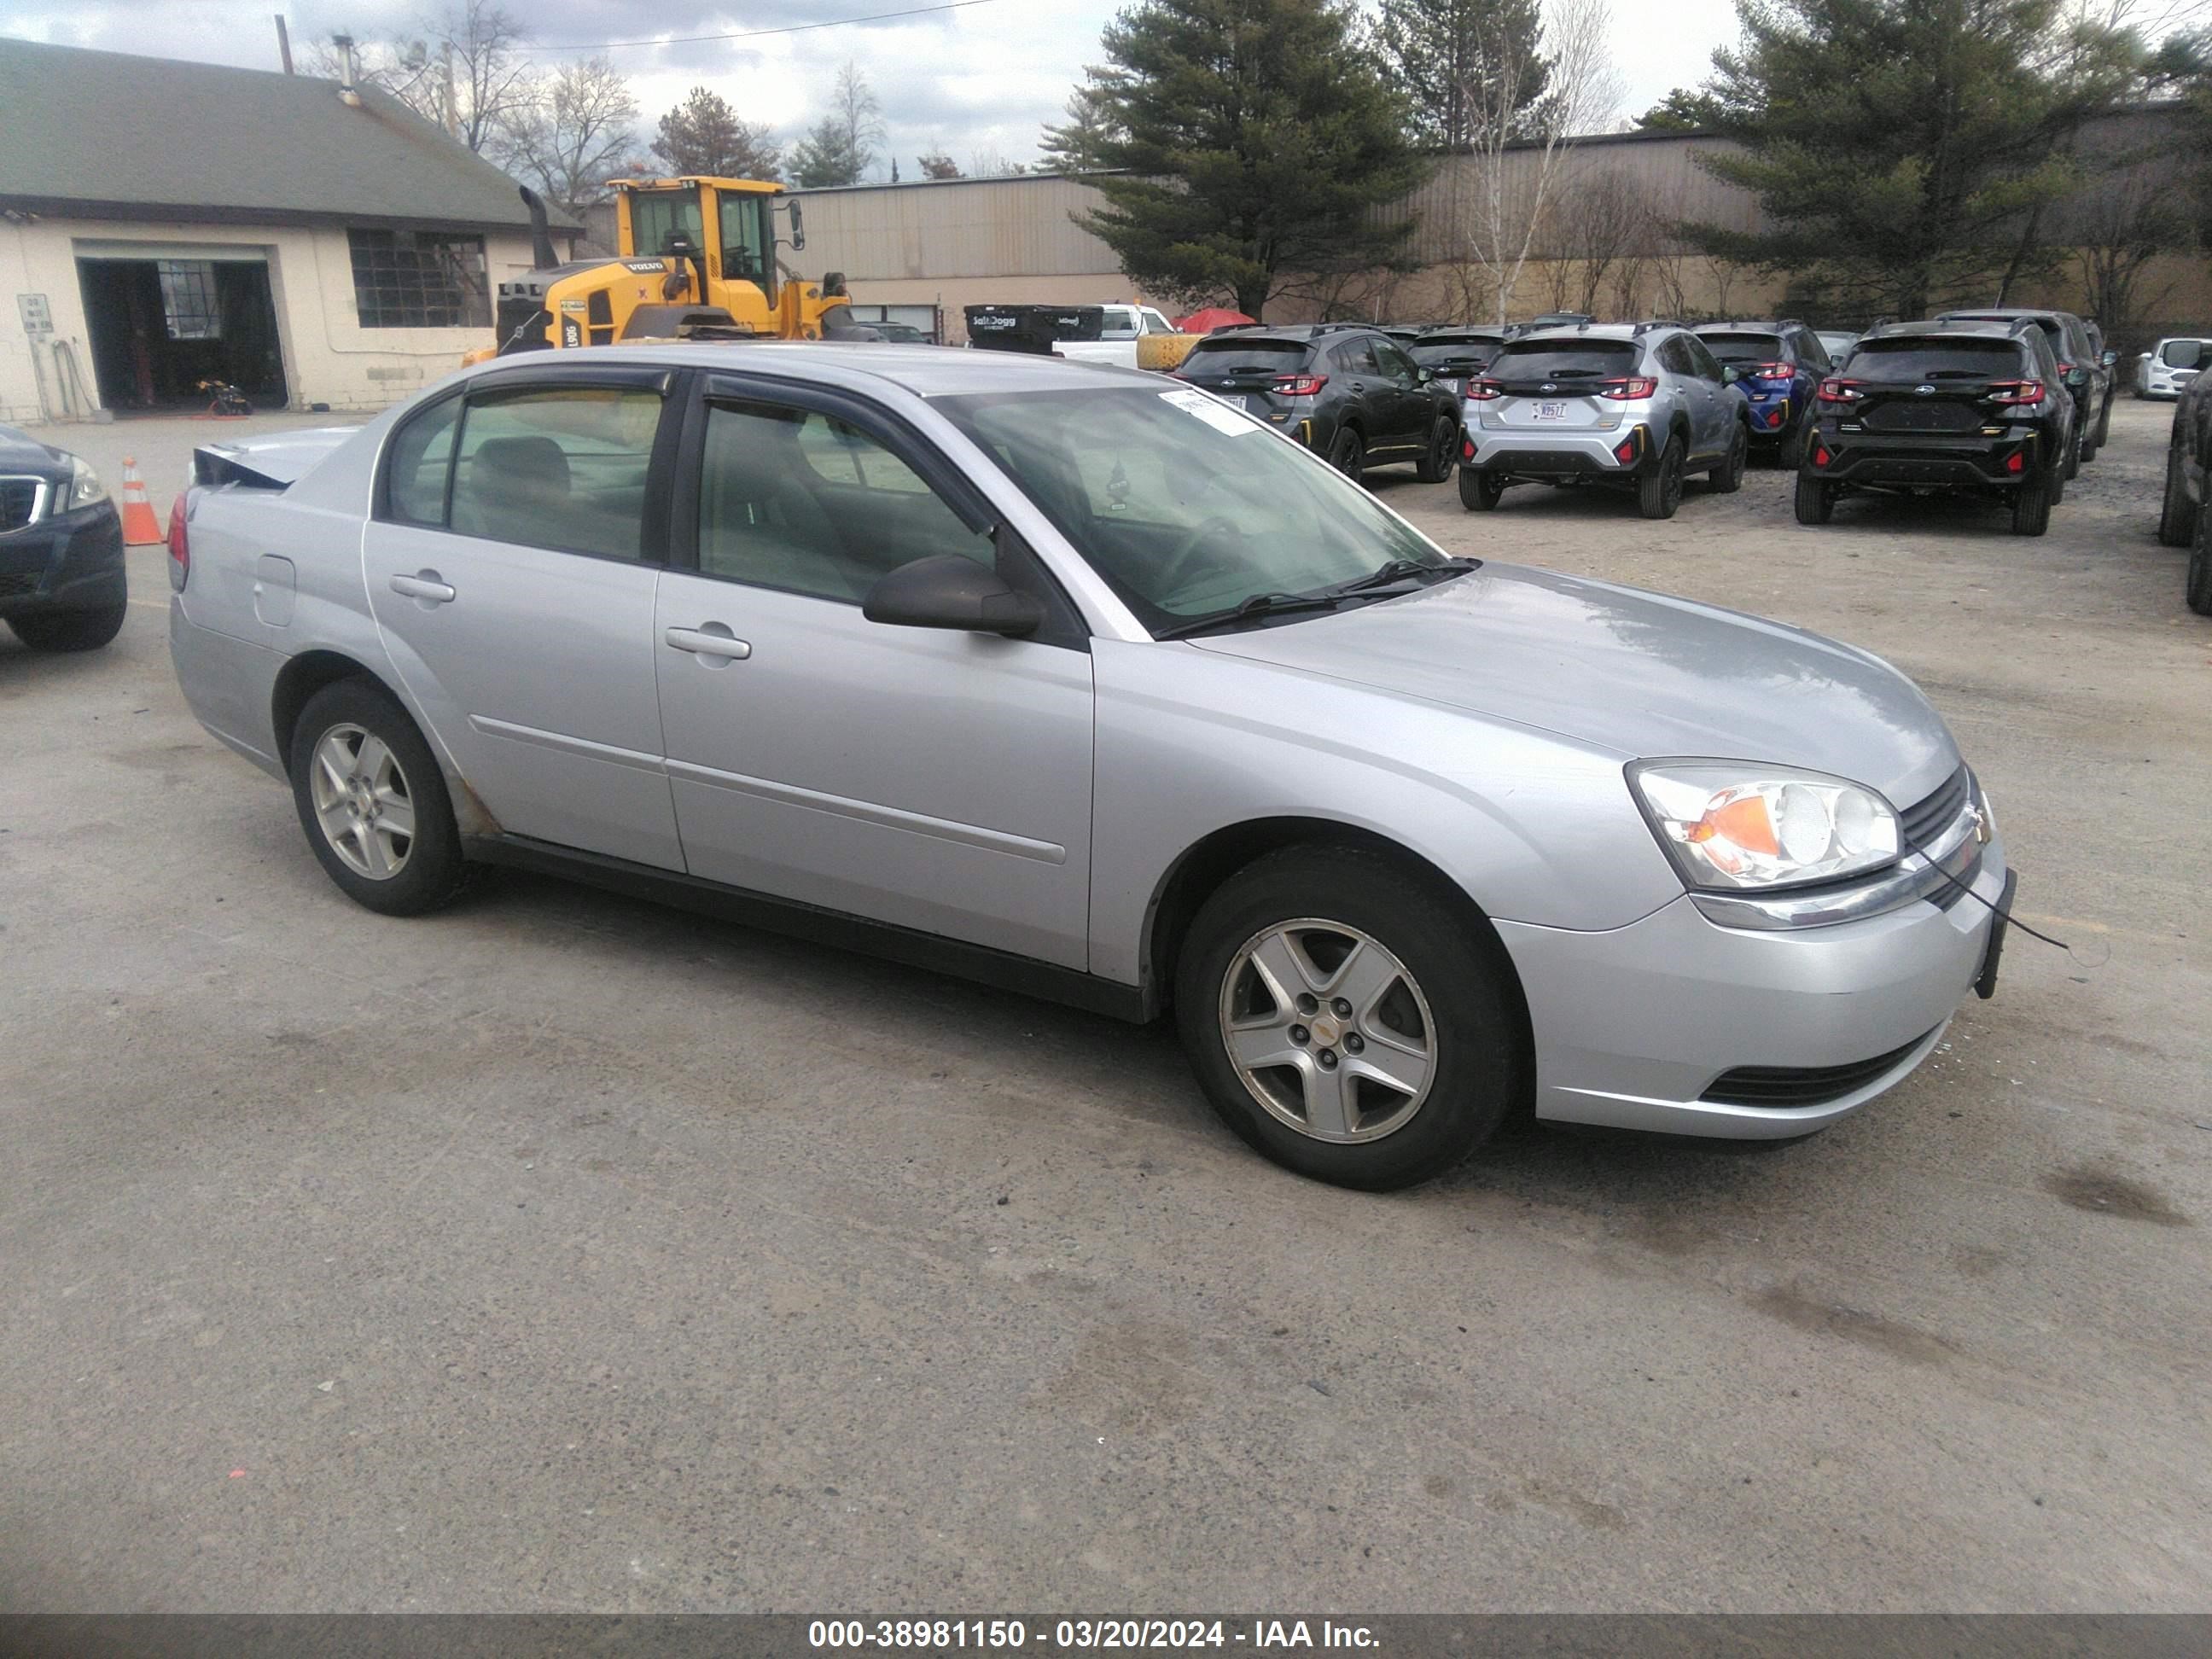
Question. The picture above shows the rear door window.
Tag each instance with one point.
(562, 467)
(1912, 358)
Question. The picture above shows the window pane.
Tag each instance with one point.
(563, 467)
(792, 499)
(421, 455)
(188, 306)
(746, 251)
(419, 279)
(656, 216)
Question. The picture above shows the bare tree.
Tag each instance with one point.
(463, 68)
(1597, 227)
(2136, 217)
(1512, 182)
(582, 130)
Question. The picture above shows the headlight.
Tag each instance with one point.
(1733, 825)
(85, 487)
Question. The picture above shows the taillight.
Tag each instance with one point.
(180, 552)
(1771, 371)
(1840, 392)
(1467, 449)
(1299, 386)
(2065, 368)
(1775, 417)
(2017, 391)
(1630, 389)
(1481, 392)
(1625, 450)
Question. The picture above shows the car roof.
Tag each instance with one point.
(2005, 313)
(1595, 331)
(926, 371)
(1764, 324)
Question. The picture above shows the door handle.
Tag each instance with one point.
(427, 586)
(711, 640)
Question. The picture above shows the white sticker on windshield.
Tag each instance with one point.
(1211, 410)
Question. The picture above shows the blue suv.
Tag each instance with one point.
(1779, 366)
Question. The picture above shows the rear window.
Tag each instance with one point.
(1522, 359)
(2053, 326)
(1436, 347)
(2182, 354)
(1227, 357)
(1744, 348)
(1938, 360)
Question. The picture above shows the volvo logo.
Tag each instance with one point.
(1925, 391)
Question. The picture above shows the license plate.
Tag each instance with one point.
(1550, 412)
(1455, 387)
(1244, 404)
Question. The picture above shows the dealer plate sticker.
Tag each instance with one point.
(1212, 410)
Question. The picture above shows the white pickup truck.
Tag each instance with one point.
(1117, 337)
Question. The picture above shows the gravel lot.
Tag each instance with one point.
(565, 1253)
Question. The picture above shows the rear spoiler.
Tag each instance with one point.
(275, 462)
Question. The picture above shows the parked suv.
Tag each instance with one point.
(1456, 355)
(1344, 390)
(2085, 364)
(2182, 521)
(1779, 365)
(1639, 406)
(61, 549)
(2167, 367)
(1943, 408)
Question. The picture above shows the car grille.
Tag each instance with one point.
(1922, 417)
(1925, 822)
(1787, 1087)
(18, 502)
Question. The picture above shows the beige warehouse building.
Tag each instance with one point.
(163, 223)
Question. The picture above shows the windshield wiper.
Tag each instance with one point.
(1397, 570)
(1254, 605)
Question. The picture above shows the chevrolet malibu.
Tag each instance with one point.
(1090, 687)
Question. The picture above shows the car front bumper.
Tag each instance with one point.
(65, 562)
(1677, 1025)
(1557, 452)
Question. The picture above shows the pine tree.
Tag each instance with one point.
(841, 147)
(1441, 52)
(1903, 150)
(938, 165)
(1250, 138)
(704, 136)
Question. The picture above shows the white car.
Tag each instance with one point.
(2167, 367)
(1117, 337)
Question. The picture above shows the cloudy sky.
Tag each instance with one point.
(981, 78)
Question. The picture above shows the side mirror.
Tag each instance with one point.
(798, 228)
(1728, 376)
(948, 590)
(1422, 376)
(2111, 357)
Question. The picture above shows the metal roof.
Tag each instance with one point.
(107, 135)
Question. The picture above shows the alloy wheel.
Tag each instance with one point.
(1328, 1029)
(362, 803)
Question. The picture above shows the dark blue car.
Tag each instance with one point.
(1779, 365)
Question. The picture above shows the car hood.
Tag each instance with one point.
(20, 453)
(1641, 674)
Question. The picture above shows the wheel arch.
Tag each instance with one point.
(298, 681)
(1203, 866)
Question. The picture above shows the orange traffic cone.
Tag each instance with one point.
(140, 528)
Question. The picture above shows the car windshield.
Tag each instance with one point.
(1246, 356)
(1559, 360)
(2182, 354)
(1910, 359)
(1433, 349)
(1744, 348)
(1184, 506)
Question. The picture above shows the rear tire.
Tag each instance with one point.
(1444, 1015)
(1660, 492)
(1728, 477)
(71, 630)
(333, 766)
(1816, 502)
(1479, 491)
(2030, 507)
(2176, 514)
(2198, 589)
(2105, 425)
(1348, 455)
(1436, 465)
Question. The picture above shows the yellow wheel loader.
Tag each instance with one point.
(697, 261)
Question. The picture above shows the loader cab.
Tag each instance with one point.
(730, 223)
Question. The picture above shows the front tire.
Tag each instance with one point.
(2176, 514)
(1816, 501)
(1728, 477)
(373, 803)
(1436, 465)
(1660, 492)
(1347, 453)
(71, 630)
(1344, 1023)
(1479, 491)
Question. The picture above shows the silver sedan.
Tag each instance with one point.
(1087, 686)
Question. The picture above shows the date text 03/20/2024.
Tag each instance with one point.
(1011, 1635)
